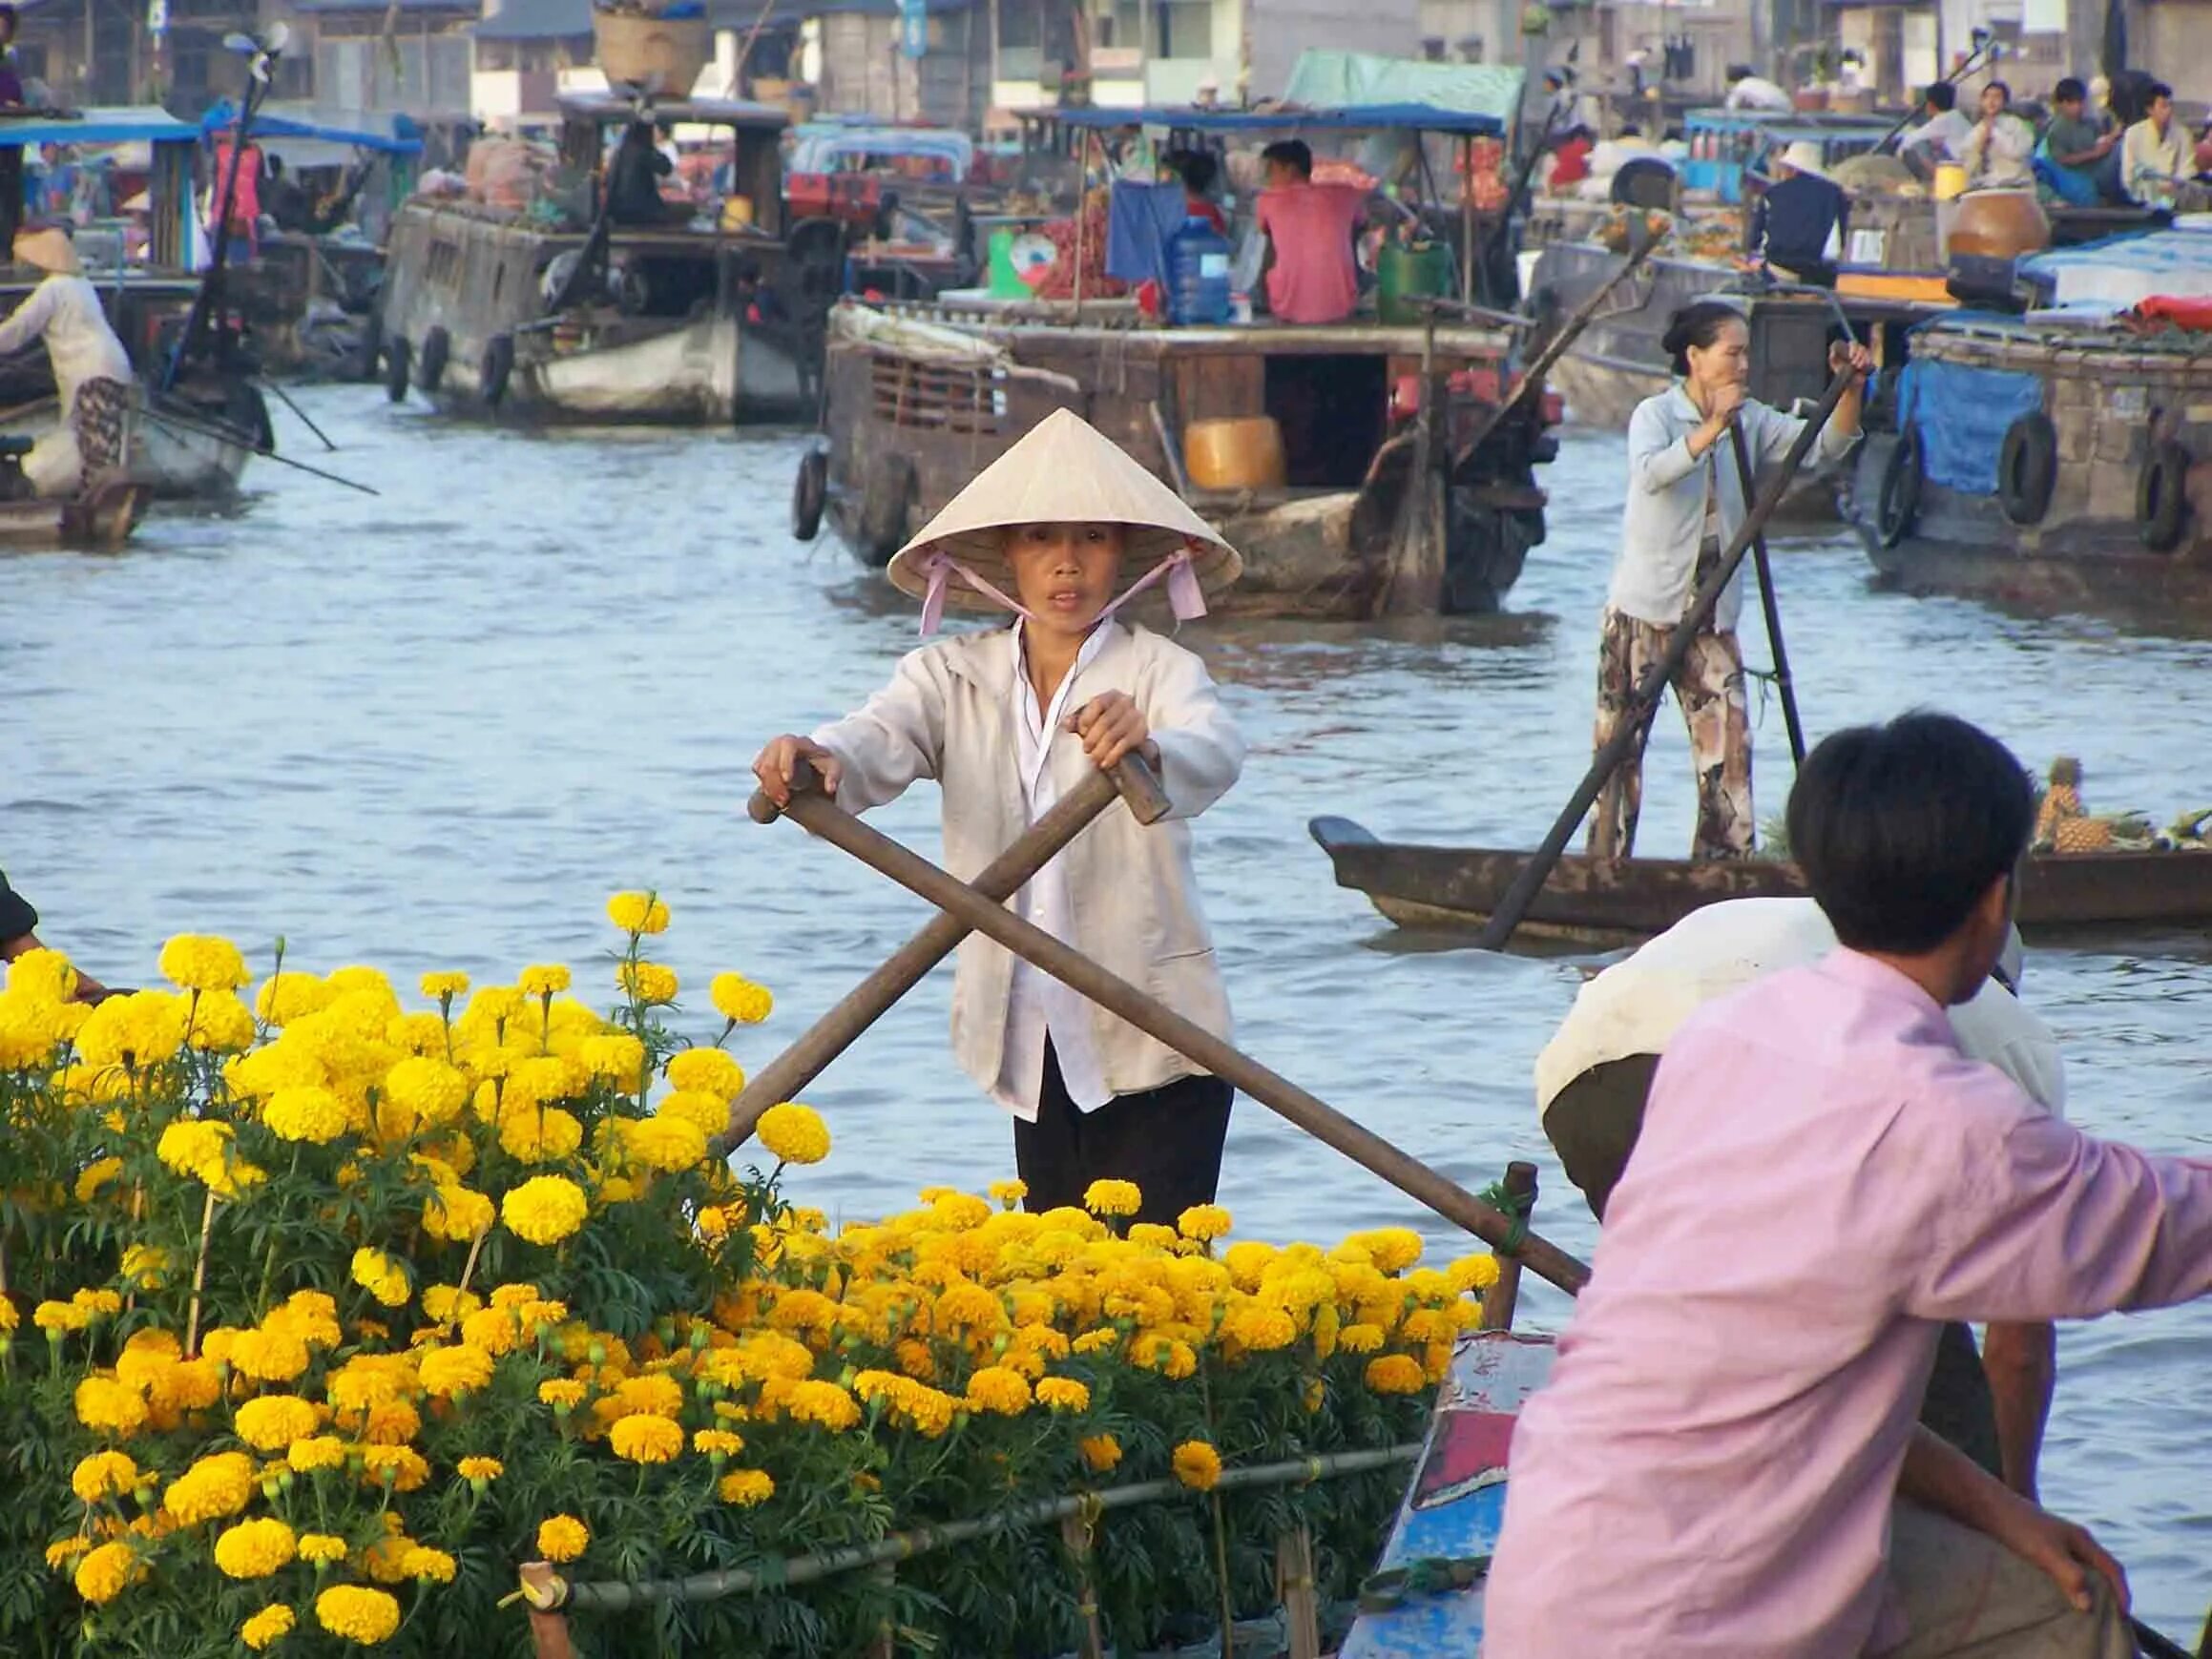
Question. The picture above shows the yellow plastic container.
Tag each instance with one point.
(1235, 454)
(737, 212)
(1950, 182)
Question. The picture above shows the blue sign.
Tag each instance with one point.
(913, 27)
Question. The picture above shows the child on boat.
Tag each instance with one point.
(1063, 531)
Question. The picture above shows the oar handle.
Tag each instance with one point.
(1134, 778)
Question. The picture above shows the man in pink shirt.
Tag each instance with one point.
(1725, 1461)
(1311, 274)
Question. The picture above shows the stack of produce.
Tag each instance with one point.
(320, 1317)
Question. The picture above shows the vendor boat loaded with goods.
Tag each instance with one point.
(1378, 464)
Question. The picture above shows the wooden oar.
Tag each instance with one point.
(179, 423)
(831, 1035)
(1644, 700)
(1767, 603)
(824, 817)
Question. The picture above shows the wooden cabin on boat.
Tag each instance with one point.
(572, 316)
(2064, 455)
(192, 432)
(1363, 467)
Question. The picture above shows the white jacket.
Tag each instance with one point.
(949, 715)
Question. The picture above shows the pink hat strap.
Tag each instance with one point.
(941, 568)
(1185, 597)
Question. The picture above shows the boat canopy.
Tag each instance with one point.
(1789, 126)
(1353, 80)
(2126, 270)
(823, 145)
(610, 107)
(398, 138)
(104, 124)
(1363, 118)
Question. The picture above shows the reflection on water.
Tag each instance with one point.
(435, 728)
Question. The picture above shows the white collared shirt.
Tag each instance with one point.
(1038, 1004)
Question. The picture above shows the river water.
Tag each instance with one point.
(437, 728)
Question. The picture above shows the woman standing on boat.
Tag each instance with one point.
(1063, 529)
(1684, 504)
(91, 371)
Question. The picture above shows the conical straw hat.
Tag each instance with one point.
(1063, 471)
(49, 250)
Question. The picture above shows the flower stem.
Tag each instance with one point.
(200, 1278)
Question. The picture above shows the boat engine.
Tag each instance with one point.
(14, 486)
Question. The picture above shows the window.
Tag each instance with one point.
(1186, 29)
(1021, 56)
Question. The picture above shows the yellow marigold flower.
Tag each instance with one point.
(100, 1304)
(1316, 1392)
(96, 1176)
(795, 1133)
(383, 1276)
(652, 982)
(255, 1549)
(143, 1028)
(562, 1394)
(321, 1548)
(707, 1112)
(442, 986)
(458, 1213)
(545, 1209)
(275, 1420)
(563, 1537)
(825, 1403)
(739, 1000)
(10, 1319)
(544, 980)
(1112, 1198)
(1203, 1223)
(1246, 1262)
(43, 975)
(1395, 1374)
(638, 913)
(426, 1565)
(1261, 1327)
(1171, 1356)
(743, 1488)
(357, 1613)
(447, 1372)
(970, 1307)
(996, 1388)
(428, 1087)
(1197, 1465)
(1101, 1453)
(60, 1555)
(214, 1489)
(447, 1303)
(145, 1265)
(195, 961)
(717, 1444)
(1472, 1273)
(271, 1625)
(102, 1475)
(1360, 1339)
(289, 997)
(708, 1071)
(1391, 1248)
(403, 1466)
(1007, 1194)
(107, 1405)
(59, 1318)
(615, 1056)
(1063, 1393)
(316, 1452)
(311, 1316)
(664, 1143)
(1102, 1340)
(475, 1469)
(540, 1134)
(220, 1025)
(643, 1437)
(1428, 1325)
(103, 1572)
(191, 1144)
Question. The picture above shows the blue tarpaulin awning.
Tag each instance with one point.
(1368, 118)
(112, 124)
(266, 125)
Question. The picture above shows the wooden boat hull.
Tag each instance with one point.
(1596, 901)
(170, 459)
(100, 521)
(1454, 1506)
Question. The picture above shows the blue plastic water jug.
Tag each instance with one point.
(1198, 274)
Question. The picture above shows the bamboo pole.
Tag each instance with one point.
(1768, 604)
(785, 1076)
(543, 1589)
(614, 1596)
(1300, 1600)
(1504, 1293)
(822, 816)
(1514, 904)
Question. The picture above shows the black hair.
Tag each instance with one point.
(1901, 829)
(1630, 130)
(2001, 87)
(9, 16)
(1292, 153)
(1699, 325)
(1941, 95)
(1197, 170)
(1739, 71)
(2156, 91)
(2069, 91)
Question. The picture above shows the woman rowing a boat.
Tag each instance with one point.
(1684, 505)
(1063, 529)
(91, 371)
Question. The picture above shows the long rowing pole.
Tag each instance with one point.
(179, 422)
(1768, 604)
(1529, 878)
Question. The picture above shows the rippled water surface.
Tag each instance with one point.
(435, 728)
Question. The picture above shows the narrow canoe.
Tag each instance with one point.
(1449, 1523)
(1604, 902)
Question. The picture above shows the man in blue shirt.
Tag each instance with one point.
(1792, 227)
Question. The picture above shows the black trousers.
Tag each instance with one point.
(1168, 1140)
(1593, 1124)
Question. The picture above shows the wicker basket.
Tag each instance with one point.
(660, 55)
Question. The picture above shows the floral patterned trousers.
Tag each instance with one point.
(1709, 686)
(101, 408)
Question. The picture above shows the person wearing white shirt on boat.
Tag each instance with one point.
(1940, 137)
(2155, 157)
(1009, 720)
(1592, 1077)
(91, 371)
(1750, 91)
(1998, 152)
(1684, 504)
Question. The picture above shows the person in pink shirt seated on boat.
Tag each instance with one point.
(1312, 276)
(1725, 1461)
